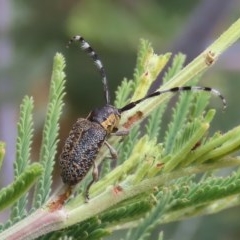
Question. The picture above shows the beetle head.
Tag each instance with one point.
(108, 117)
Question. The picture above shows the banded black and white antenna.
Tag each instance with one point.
(174, 90)
(90, 51)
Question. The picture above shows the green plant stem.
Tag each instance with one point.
(197, 66)
(43, 221)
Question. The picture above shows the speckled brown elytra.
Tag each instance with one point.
(89, 134)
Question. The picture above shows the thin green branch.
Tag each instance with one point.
(196, 67)
(108, 198)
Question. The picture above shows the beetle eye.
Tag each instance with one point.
(115, 129)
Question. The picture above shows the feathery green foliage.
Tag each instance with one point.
(148, 66)
(92, 228)
(27, 174)
(215, 147)
(50, 131)
(25, 134)
(179, 118)
(186, 139)
(123, 93)
(23, 146)
(207, 191)
(20, 186)
(155, 118)
(156, 181)
(144, 229)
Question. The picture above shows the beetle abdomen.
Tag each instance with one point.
(80, 150)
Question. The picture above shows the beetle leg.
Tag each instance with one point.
(122, 132)
(112, 151)
(94, 179)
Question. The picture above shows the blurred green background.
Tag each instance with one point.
(31, 32)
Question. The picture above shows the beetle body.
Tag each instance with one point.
(84, 142)
(80, 150)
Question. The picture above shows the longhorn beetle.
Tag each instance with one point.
(89, 134)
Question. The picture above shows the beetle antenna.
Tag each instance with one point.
(176, 89)
(87, 48)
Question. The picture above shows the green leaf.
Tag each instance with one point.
(23, 146)
(148, 67)
(50, 131)
(186, 140)
(178, 119)
(122, 213)
(218, 145)
(151, 220)
(207, 191)
(155, 118)
(20, 186)
(123, 92)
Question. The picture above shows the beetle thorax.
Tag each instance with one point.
(108, 117)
